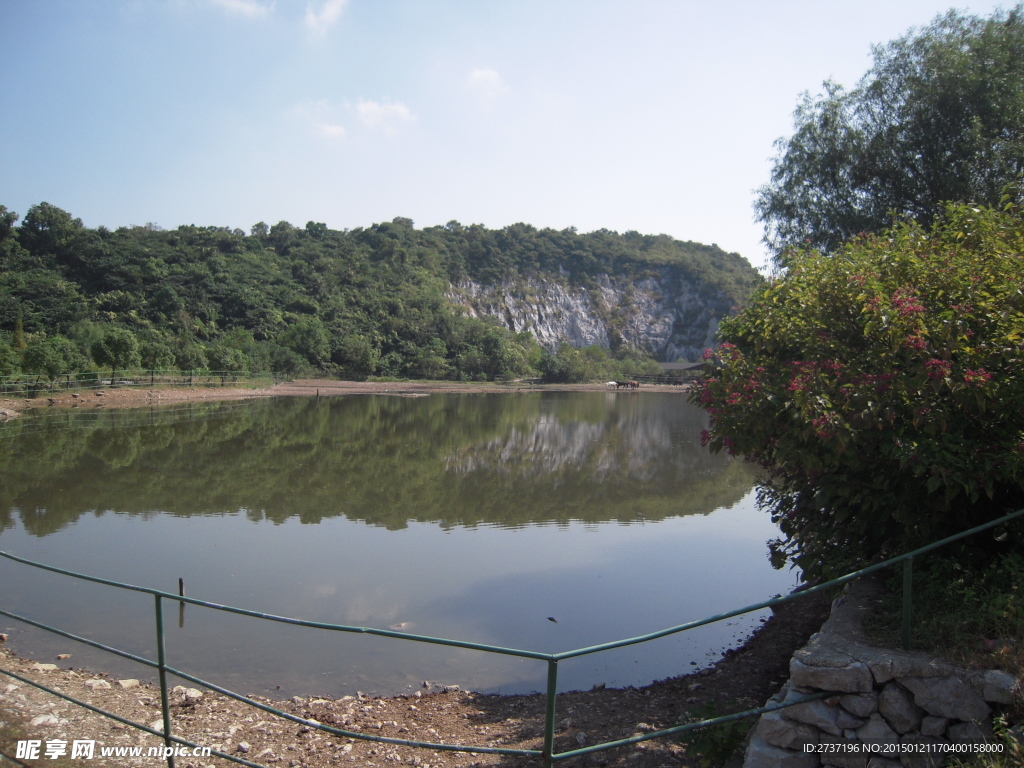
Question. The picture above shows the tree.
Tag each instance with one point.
(52, 356)
(939, 117)
(156, 355)
(10, 360)
(222, 357)
(309, 339)
(117, 349)
(190, 356)
(48, 230)
(882, 388)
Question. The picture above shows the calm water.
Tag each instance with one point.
(473, 517)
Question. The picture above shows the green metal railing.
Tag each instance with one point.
(547, 752)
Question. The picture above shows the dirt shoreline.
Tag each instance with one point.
(742, 679)
(135, 397)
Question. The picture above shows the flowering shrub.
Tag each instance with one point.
(881, 388)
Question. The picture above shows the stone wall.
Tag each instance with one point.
(878, 697)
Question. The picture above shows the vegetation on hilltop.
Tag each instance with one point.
(939, 117)
(356, 303)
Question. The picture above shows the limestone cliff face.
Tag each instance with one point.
(662, 313)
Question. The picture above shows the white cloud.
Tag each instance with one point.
(386, 116)
(319, 116)
(320, 21)
(486, 83)
(251, 9)
(330, 130)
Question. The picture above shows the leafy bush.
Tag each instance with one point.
(881, 388)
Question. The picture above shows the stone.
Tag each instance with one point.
(947, 697)
(840, 758)
(877, 731)
(157, 725)
(922, 759)
(853, 677)
(816, 713)
(846, 721)
(760, 754)
(896, 705)
(968, 733)
(4, 637)
(860, 704)
(96, 684)
(779, 731)
(890, 665)
(129, 683)
(63, 656)
(243, 747)
(998, 686)
(934, 726)
(43, 667)
(882, 762)
(47, 720)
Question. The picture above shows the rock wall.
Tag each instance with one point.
(662, 313)
(887, 708)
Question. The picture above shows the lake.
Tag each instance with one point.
(474, 517)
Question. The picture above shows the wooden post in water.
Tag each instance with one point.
(181, 604)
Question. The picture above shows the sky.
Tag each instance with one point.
(644, 115)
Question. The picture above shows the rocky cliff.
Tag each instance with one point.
(663, 312)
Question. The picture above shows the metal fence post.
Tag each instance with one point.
(549, 715)
(908, 600)
(161, 658)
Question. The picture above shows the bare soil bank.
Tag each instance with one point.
(134, 397)
(742, 679)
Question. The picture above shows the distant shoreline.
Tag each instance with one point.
(138, 397)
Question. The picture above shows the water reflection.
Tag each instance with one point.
(502, 460)
(472, 516)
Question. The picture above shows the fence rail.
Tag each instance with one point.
(547, 753)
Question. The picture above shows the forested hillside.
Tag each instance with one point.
(365, 302)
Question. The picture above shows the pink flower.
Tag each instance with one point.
(906, 303)
(915, 342)
(976, 378)
(938, 369)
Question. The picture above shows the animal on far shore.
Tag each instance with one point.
(631, 385)
(612, 385)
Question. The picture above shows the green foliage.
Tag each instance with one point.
(221, 357)
(968, 604)
(190, 356)
(360, 303)
(52, 356)
(156, 355)
(938, 117)
(882, 387)
(716, 743)
(567, 366)
(309, 339)
(117, 349)
(10, 360)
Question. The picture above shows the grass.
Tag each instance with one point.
(968, 608)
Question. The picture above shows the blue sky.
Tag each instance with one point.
(638, 114)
